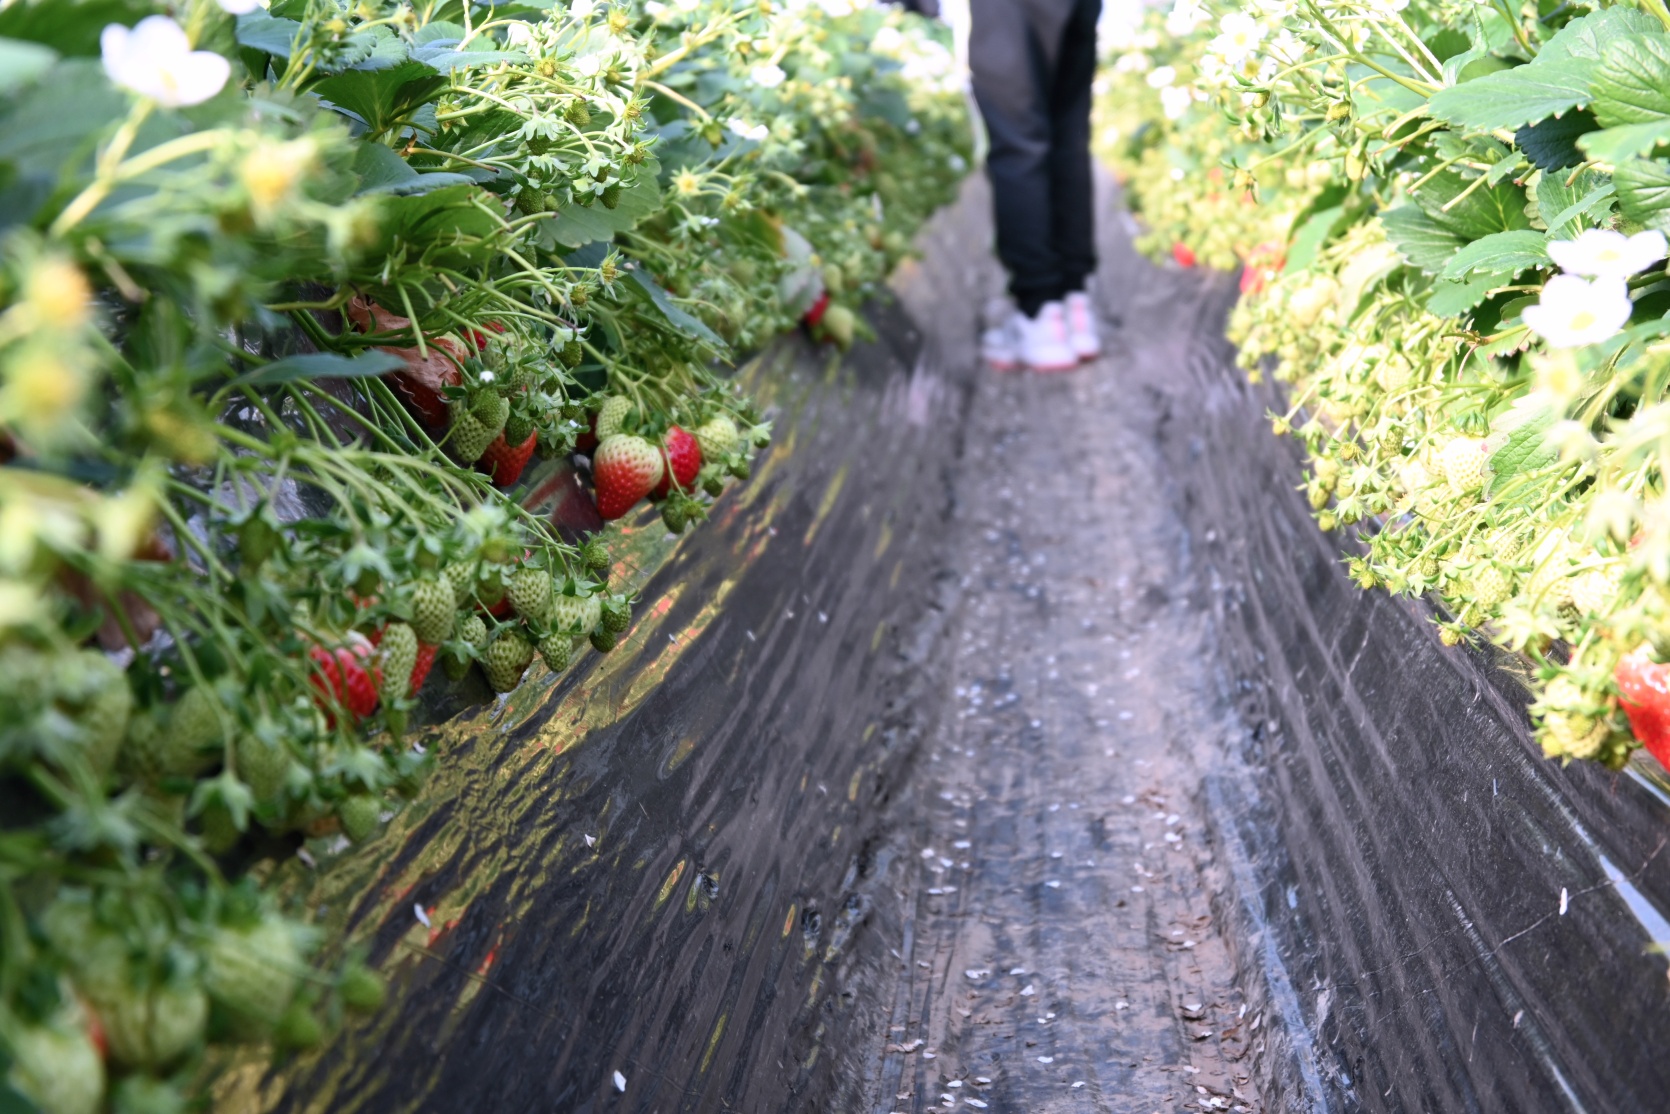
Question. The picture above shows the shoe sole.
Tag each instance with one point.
(1045, 369)
(1002, 365)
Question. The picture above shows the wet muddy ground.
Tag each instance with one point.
(1055, 943)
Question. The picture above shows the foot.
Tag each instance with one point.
(1082, 332)
(1045, 344)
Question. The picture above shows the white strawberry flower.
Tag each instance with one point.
(745, 130)
(155, 59)
(1239, 36)
(1573, 312)
(1185, 16)
(1608, 254)
(1161, 77)
(241, 7)
(768, 76)
(1175, 100)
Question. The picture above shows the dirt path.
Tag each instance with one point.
(1059, 949)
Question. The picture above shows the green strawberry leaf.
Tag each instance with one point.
(1568, 209)
(319, 365)
(1526, 450)
(1452, 299)
(1501, 253)
(1632, 83)
(1627, 141)
(382, 170)
(1513, 98)
(382, 98)
(1644, 192)
(1588, 36)
(1470, 211)
(1422, 241)
(675, 314)
(1552, 144)
(21, 63)
(259, 30)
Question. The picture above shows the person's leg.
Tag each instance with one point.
(1072, 201)
(1010, 75)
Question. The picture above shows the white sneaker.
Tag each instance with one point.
(1044, 341)
(1082, 333)
(999, 342)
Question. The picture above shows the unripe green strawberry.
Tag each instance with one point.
(397, 654)
(591, 612)
(556, 650)
(362, 989)
(263, 766)
(491, 409)
(258, 537)
(603, 641)
(516, 429)
(57, 1068)
(91, 690)
(472, 629)
(578, 114)
(1463, 462)
(461, 576)
(616, 615)
(218, 828)
(713, 480)
(718, 437)
(532, 201)
(611, 416)
(469, 438)
(530, 593)
(568, 614)
(176, 742)
(506, 660)
(1594, 591)
(839, 324)
(595, 555)
(299, 1027)
(360, 814)
(572, 353)
(490, 586)
(254, 972)
(434, 610)
(673, 516)
(739, 468)
(152, 1027)
(1488, 586)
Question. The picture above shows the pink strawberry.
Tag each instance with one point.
(624, 469)
(682, 457)
(420, 669)
(504, 464)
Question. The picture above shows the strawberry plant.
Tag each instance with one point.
(291, 298)
(1469, 308)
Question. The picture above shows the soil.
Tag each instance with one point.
(1056, 947)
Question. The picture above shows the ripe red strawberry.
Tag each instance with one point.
(1184, 255)
(342, 675)
(504, 464)
(420, 669)
(814, 316)
(1645, 685)
(682, 457)
(625, 468)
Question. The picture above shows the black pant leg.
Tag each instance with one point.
(1072, 200)
(1010, 68)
